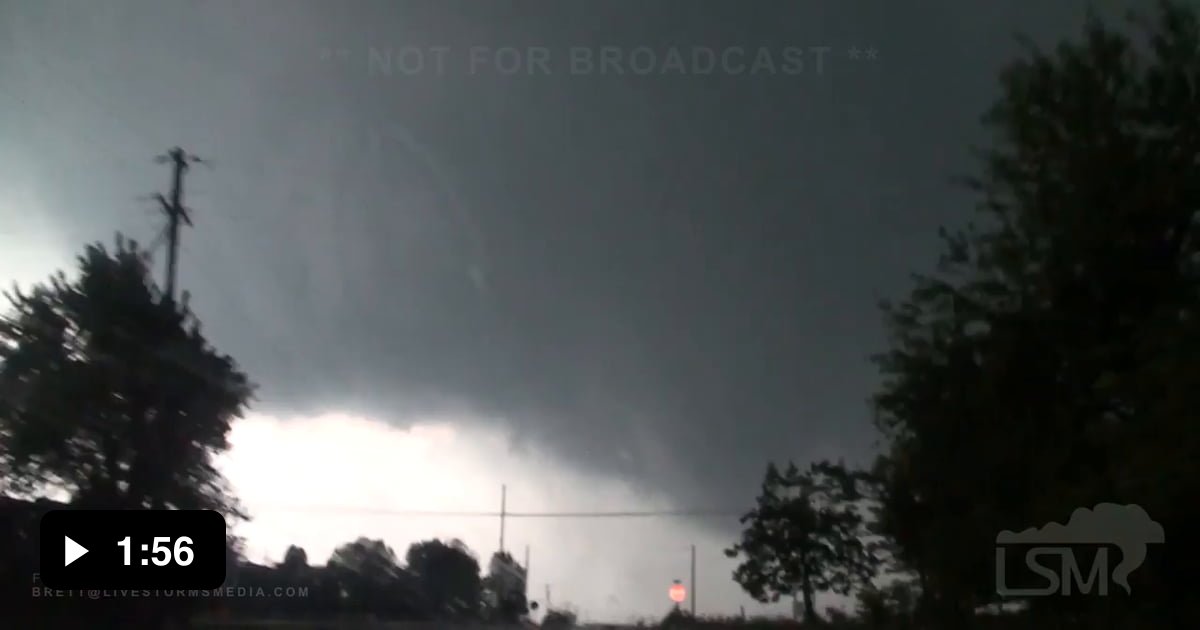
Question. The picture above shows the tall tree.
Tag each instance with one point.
(295, 560)
(369, 578)
(111, 392)
(1051, 361)
(449, 575)
(504, 588)
(294, 570)
(806, 535)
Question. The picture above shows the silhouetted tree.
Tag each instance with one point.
(888, 606)
(235, 556)
(448, 575)
(504, 588)
(109, 391)
(806, 535)
(677, 618)
(367, 576)
(295, 559)
(1053, 361)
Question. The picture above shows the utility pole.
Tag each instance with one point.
(547, 597)
(174, 209)
(693, 584)
(525, 582)
(503, 513)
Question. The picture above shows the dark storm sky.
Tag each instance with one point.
(671, 278)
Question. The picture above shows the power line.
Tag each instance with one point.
(695, 512)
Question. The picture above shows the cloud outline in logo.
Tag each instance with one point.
(1128, 527)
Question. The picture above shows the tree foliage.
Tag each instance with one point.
(449, 577)
(369, 579)
(883, 606)
(1051, 362)
(504, 588)
(110, 391)
(806, 535)
(295, 559)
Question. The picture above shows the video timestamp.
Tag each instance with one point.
(133, 549)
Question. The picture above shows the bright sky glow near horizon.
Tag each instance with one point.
(366, 468)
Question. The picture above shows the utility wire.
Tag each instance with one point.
(486, 514)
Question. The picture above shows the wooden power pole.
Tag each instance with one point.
(174, 209)
(503, 513)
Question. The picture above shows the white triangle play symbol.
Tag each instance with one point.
(73, 551)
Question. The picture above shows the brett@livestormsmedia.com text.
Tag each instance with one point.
(229, 591)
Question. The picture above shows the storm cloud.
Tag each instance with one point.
(664, 277)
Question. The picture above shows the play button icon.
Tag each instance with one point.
(86, 550)
(73, 551)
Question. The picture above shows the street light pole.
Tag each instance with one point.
(693, 581)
